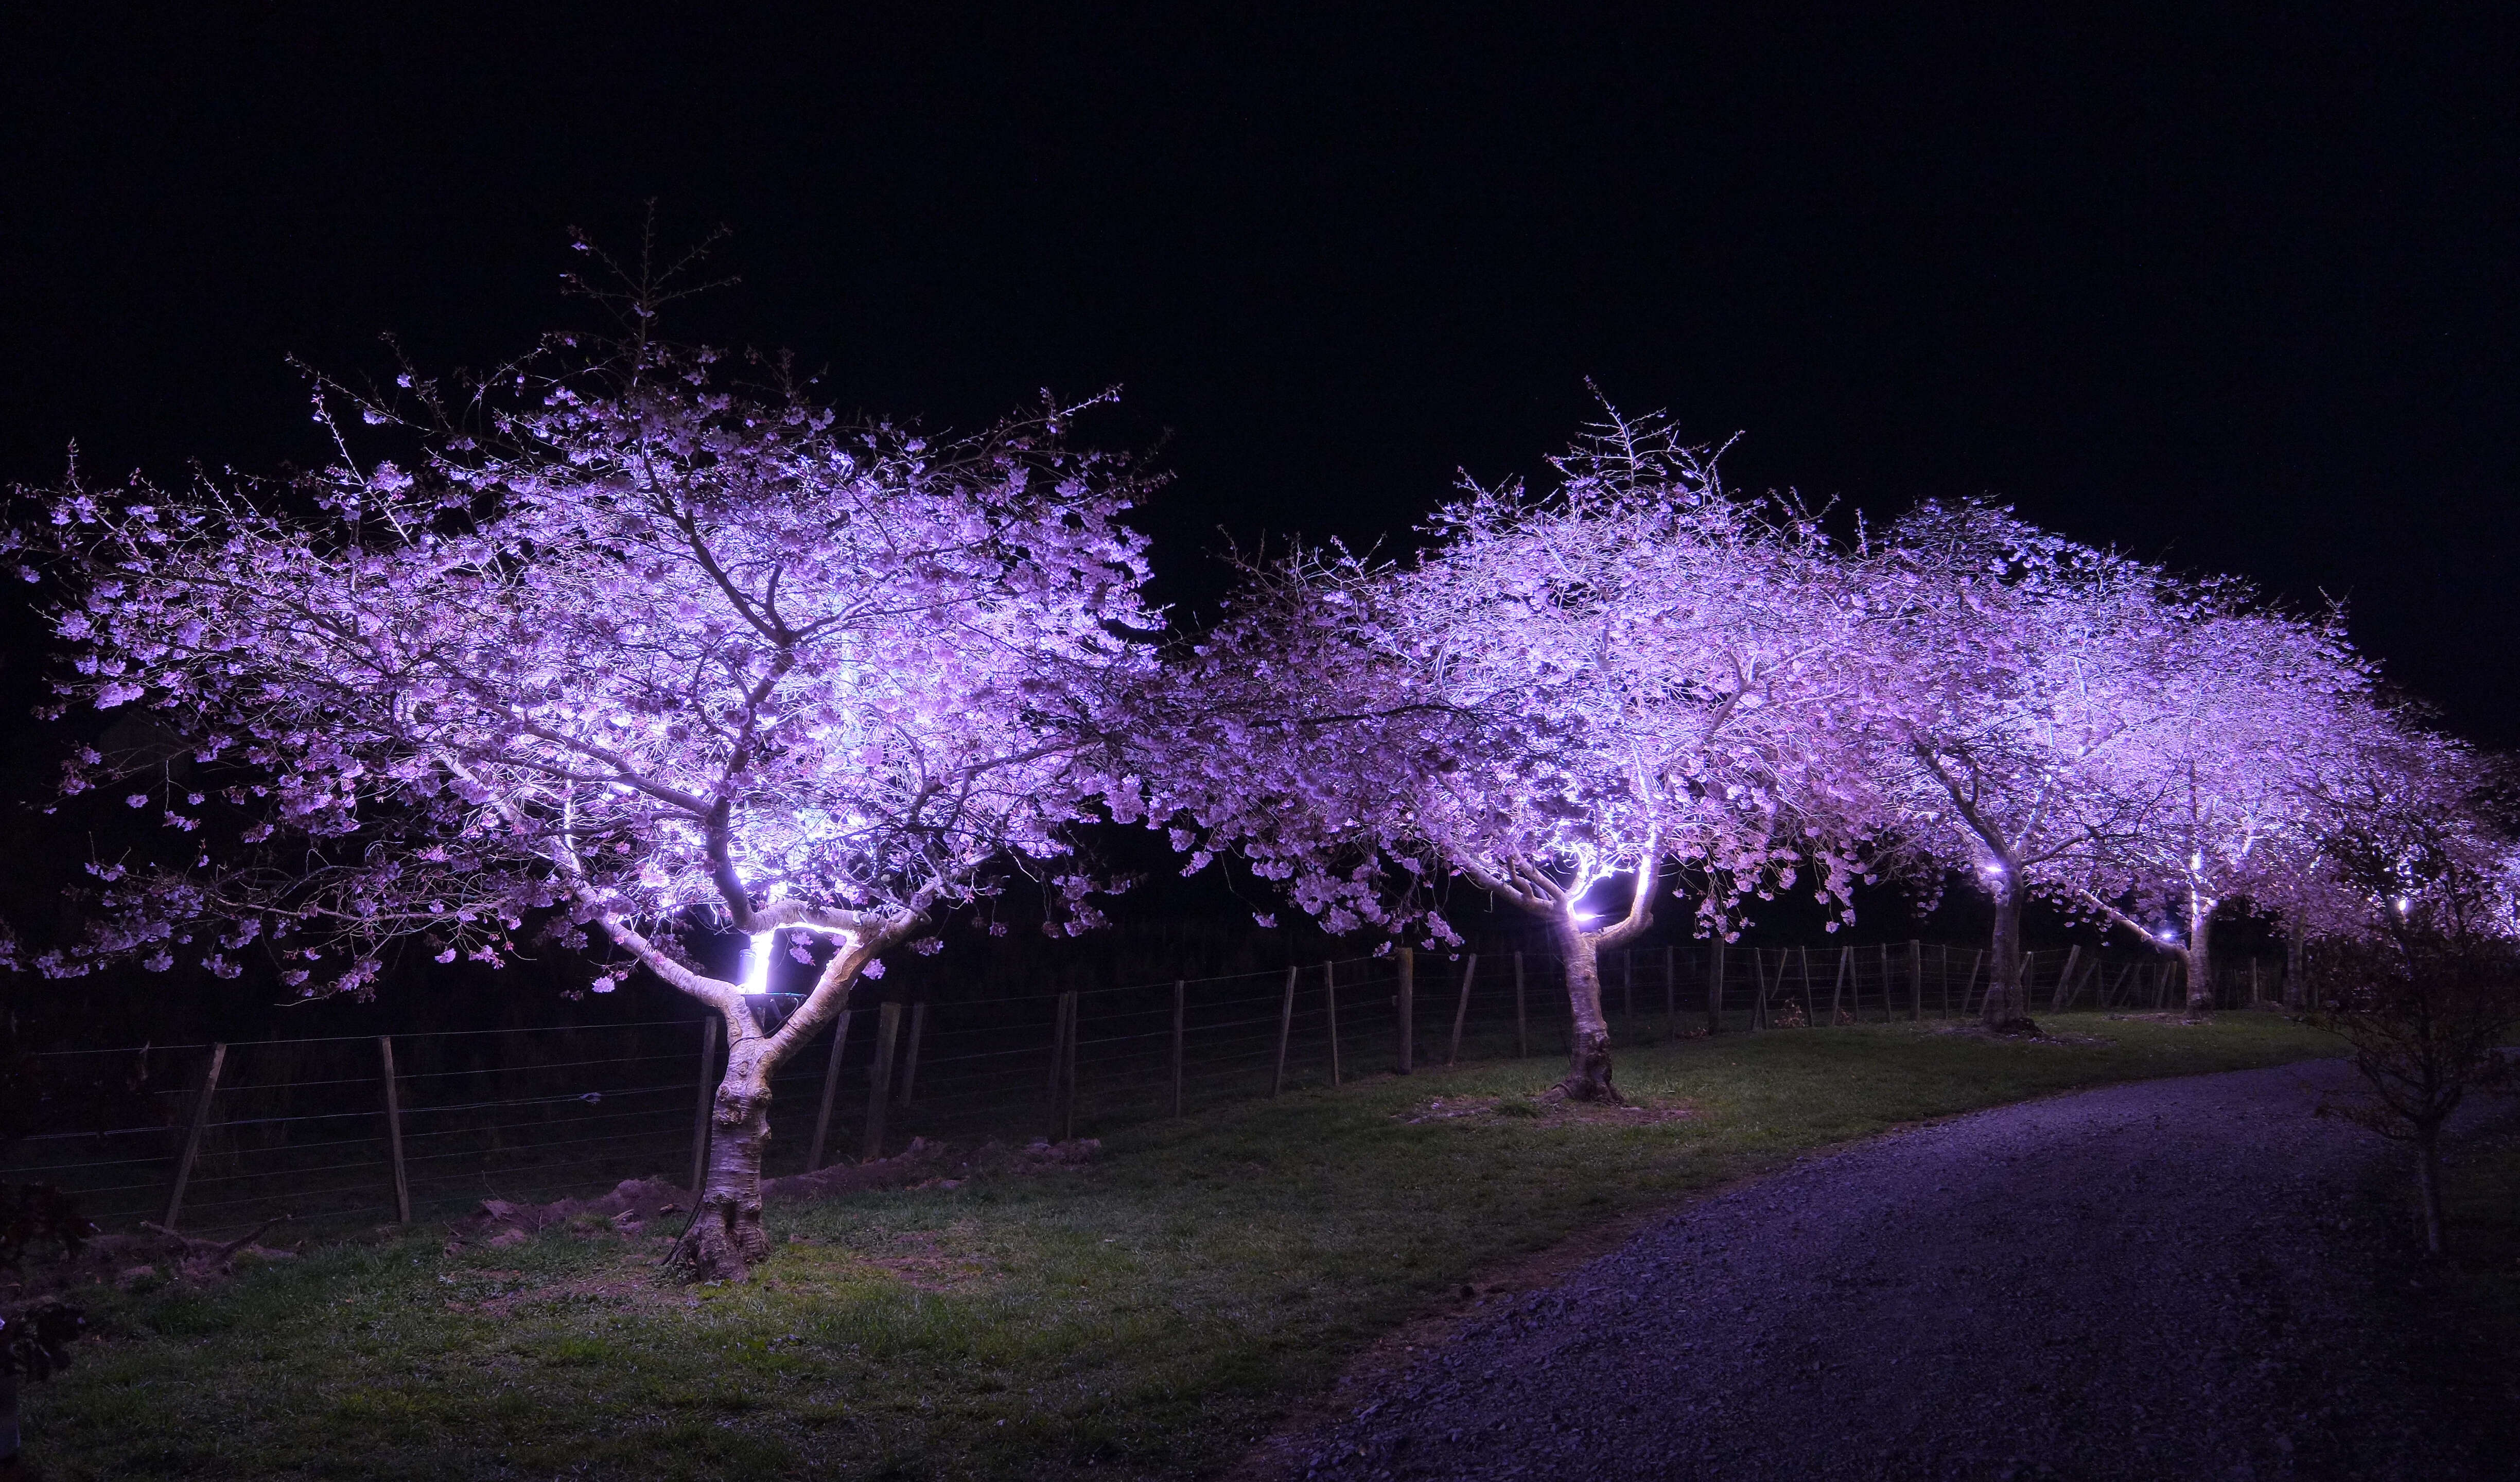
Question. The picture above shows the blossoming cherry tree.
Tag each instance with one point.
(1566, 696)
(626, 642)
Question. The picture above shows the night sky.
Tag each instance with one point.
(2235, 293)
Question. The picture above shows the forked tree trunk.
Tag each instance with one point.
(2007, 1009)
(1587, 1053)
(725, 1236)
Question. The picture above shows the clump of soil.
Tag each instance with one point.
(145, 1258)
(149, 1257)
(634, 1203)
(1552, 1109)
(2043, 1037)
(915, 1259)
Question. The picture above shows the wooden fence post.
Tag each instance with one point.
(1758, 989)
(700, 1117)
(1836, 990)
(1977, 962)
(1285, 1023)
(1329, 1003)
(1057, 1047)
(1180, 1007)
(1888, 1013)
(1407, 1012)
(830, 1090)
(1810, 997)
(1067, 1070)
(1521, 1025)
(1915, 980)
(910, 1063)
(1946, 976)
(1462, 1010)
(1061, 1029)
(393, 1132)
(192, 1138)
(888, 1039)
(1715, 981)
(2063, 997)
(2257, 993)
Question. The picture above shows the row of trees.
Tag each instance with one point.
(629, 641)
(1635, 683)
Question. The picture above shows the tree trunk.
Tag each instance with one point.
(2428, 1184)
(725, 1236)
(2296, 984)
(2007, 1007)
(2200, 959)
(1588, 1052)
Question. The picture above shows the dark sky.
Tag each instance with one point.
(2239, 293)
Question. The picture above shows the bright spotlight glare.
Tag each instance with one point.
(756, 961)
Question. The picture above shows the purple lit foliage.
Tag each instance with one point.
(1567, 694)
(640, 639)
(2213, 804)
(2026, 664)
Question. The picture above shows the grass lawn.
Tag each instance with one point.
(1149, 1316)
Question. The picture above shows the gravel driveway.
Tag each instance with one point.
(2174, 1279)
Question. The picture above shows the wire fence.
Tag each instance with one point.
(219, 1138)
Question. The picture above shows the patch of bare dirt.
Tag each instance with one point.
(912, 1257)
(148, 1256)
(633, 1209)
(1995, 1037)
(636, 1203)
(501, 1293)
(1556, 1111)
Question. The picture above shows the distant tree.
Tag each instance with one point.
(2427, 990)
(2212, 800)
(2024, 661)
(1566, 696)
(635, 639)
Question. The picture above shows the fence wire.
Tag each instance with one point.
(300, 1128)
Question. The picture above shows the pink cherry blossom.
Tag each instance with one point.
(633, 642)
(1567, 695)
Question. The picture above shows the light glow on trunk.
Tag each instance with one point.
(756, 961)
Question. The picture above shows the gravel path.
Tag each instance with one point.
(2174, 1279)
